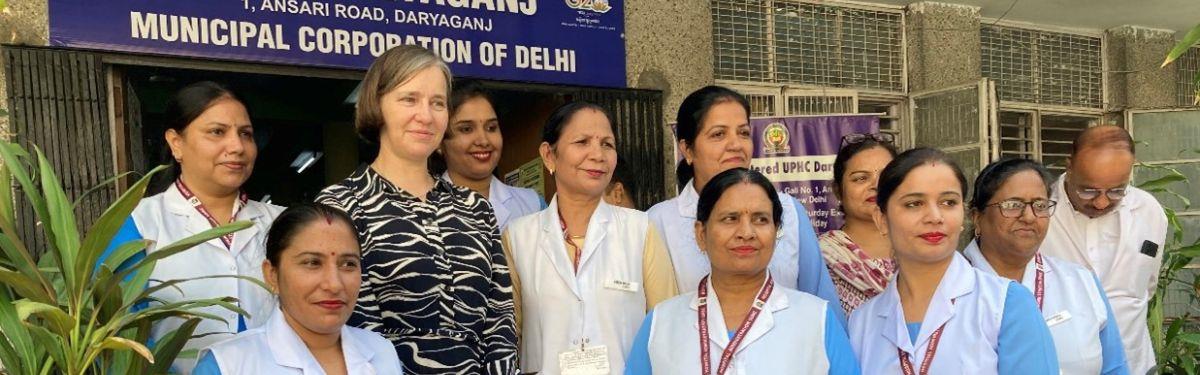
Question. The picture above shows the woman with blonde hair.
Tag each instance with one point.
(435, 280)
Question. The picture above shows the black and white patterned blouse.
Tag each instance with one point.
(435, 280)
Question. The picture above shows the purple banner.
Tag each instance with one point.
(797, 154)
(578, 42)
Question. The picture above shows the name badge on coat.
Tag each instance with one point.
(1059, 318)
(590, 360)
(627, 286)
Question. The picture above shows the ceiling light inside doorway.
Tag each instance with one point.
(305, 160)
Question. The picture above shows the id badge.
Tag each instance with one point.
(589, 360)
(1058, 318)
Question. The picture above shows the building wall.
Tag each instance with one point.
(943, 45)
(675, 56)
(23, 22)
(1135, 79)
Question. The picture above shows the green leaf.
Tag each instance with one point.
(15, 340)
(26, 288)
(1163, 181)
(133, 287)
(105, 228)
(120, 343)
(1182, 47)
(170, 344)
(55, 346)
(171, 284)
(12, 155)
(1192, 251)
(1190, 338)
(60, 321)
(6, 198)
(60, 224)
(124, 251)
(20, 259)
(187, 243)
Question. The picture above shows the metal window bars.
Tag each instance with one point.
(791, 41)
(1187, 67)
(1043, 67)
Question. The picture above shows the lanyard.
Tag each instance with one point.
(930, 351)
(570, 242)
(191, 198)
(738, 336)
(1039, 282)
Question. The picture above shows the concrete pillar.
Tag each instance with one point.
(21, 22)
(1135, 80)
(943, 45)
(669, 47)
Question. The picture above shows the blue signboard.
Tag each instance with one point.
(579, 42)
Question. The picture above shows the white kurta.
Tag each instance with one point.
(604, 302)
(969, 302)
(168, 217)
(787, 337)
(676, 218)
(276, 349)
(1069, 290)
(1114, 253)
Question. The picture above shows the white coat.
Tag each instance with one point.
(604, 302)
(788, 336)
(168, 217)
(1129, 276)
(1070, 289)
(676, 218)
(969, 341)
(509, 202)
(276, 349)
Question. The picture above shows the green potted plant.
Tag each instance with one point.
(67, 312)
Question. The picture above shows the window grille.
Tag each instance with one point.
(1017, 135)
(789, 41)
(1187, 65)
(1043, 137)
(1056, 134)
(1042, 67)
(761, 105)
(820, 102)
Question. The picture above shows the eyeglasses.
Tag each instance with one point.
(1014, 208)
(1114, 194)
(856, 138)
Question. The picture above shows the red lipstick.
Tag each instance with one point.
(331, 304)
(933, 238)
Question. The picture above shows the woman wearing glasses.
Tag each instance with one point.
(940, 315)
(859, 257)
(1011, 208)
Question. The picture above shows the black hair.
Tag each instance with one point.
(848, 152)
(562, 115)
(683, 174)
(994, 175)
(898, 169)
(623, 175)
(692, 111)
(184, 107)
(465, 91)
(462, 92)
(715, 188)
(292, 220)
